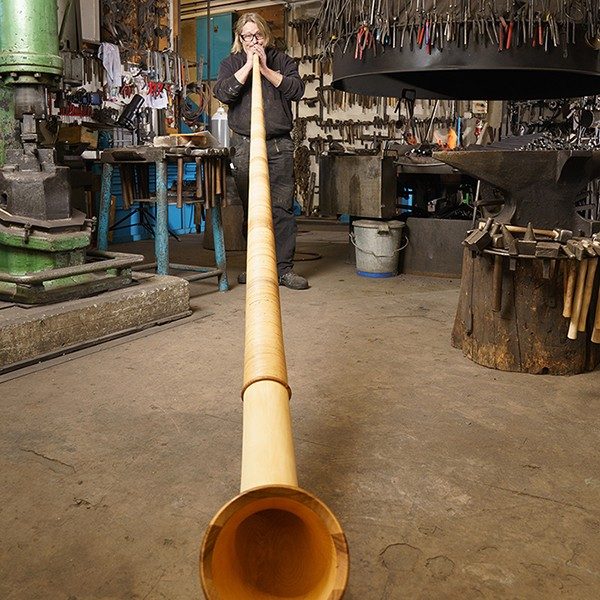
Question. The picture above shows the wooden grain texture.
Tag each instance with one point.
(267, 459)
(264, 350)
(529, 333)
(274, 540)
(578, 299)
(587, 293)
(596, 328)
(571, 278)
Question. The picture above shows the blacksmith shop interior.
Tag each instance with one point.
(299, 300)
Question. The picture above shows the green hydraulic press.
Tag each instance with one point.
(43, 240)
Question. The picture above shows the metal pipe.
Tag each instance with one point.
(115, 260)
(104, 217)
(161, 237)
(208, 28)
(219, 240)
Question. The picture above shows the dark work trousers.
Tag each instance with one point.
(280, 154)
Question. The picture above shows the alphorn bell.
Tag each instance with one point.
(274, 540)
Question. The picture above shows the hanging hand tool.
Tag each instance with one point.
(479, 239)
(578, 300)
(596, 330)
(218, 183)
(571, 276)
(587, 293)
(497, 242)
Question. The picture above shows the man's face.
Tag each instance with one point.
(250, 36)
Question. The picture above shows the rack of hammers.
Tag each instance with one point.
(210, 185)
(577, 255)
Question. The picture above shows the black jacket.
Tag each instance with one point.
(277, 100)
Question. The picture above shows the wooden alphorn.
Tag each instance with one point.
(275, 540)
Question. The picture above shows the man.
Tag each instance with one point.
(281, 84)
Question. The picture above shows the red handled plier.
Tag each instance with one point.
(364, 39)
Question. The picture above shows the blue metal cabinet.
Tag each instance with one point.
(221, 40)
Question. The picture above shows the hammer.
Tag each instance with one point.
(596, 330)
(480, 238)
(510, 245)
(497, 242)
(578, 301)
(569, 288)
(559, 235)
(587, 293)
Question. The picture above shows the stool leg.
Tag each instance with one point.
(103, 218)
(161, 236)
(219, 239)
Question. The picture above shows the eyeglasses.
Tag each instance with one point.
(248, 37)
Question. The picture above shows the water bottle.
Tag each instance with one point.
(219, 127)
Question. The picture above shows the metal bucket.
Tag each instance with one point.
(377, 246)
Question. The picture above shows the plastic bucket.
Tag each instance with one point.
(377, 246)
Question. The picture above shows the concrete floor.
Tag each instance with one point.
(451, 480)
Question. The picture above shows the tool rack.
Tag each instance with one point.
(161, 157)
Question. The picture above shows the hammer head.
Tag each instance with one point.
(576, 248)
(547, 250)
(477, 240)
(563, 235)
(510, 243)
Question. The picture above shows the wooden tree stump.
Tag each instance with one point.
(529, 333)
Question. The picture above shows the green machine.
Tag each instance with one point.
(43, 241)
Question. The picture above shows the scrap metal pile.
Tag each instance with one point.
(578, 257)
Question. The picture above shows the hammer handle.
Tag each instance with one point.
(497, 284)
(596, 330)
(207, 177)
(581, 272)
(218, 173)
(587, 292)
(570, 289)
(224, 180)
(518, 229)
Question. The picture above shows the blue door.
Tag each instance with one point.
(221, 39)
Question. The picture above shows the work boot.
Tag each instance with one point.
(242, 277)
(293, 281)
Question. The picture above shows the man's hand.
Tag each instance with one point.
(249, 56)
(273, 76)
(242, 74)
(262, 57)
